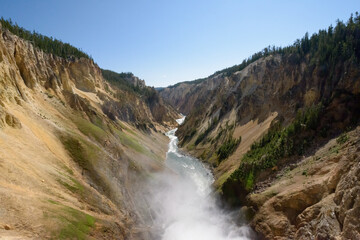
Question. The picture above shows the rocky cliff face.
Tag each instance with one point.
(137, 82)
(68, 170)
(226, 118)
(317, 198)
(186, 96)
(275, 86)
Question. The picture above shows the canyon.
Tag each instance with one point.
(269, 149)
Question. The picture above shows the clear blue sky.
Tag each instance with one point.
(167, 41)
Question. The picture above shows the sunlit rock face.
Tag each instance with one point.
(71, 157)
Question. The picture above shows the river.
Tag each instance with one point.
(184, 204)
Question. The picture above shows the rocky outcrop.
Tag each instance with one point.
(347, 200)
(7, 119)
(23, 66)
(135, 81)
(318, 199)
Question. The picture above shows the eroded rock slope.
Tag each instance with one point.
(253, 121)
(74, 147)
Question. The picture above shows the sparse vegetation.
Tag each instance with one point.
(84, 153)
(335, 149)
(78, 223)
(76, 150)
(276, 144)
(189, 135)
(203, 135)
(343, 138)
(74, 186)
(74, 224)
(228, 148)
(130, 141)
(90, 129)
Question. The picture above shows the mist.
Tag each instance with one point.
(183, 204)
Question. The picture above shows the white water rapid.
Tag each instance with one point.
(183, 204)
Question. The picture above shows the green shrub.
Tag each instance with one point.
(249, 181)
(343, 138)
(228, 148)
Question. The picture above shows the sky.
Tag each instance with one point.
(169, 41)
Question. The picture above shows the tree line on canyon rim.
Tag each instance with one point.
(47, 44)
(326, 48)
